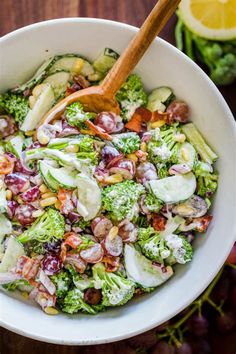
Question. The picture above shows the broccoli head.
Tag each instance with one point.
(120, 199)
(155, 248)
(180, 249)
(126, 142)
(74, 302)
(152, 203)
(62, 281)
(207, 181)
(116, 290)
(145, 233)
(47, 228)
(76, 116)
(86, 144)
(16, 105)
(131, 96)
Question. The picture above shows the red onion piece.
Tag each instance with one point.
(194, 207)
(109, 154)
(179, 169)
(11, 208)
(31, 194)
(51, 264)
(45, 280)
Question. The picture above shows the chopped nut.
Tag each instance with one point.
(87, 131)
(132, 157)
(78, 65)
(185, 154)
(43, 188)
(25, 295)
(51, 310)
(143, 147)
(113, 232)
(37, 213)
(8, 194)
(47, 202)
(157, 124)
(19, 200)
(48, 195)
(30, 133)
(116, 178)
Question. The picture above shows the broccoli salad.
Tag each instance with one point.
(97, 208)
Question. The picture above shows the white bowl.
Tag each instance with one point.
(21, 53)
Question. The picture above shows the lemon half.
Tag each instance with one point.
(212, 19)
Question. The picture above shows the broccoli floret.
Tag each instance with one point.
(145, 233)
(207, 181)
(86, 144)
(74, 302)
(126, 142)
(82, 281)
(62, 281)
(92, 156)
(16, 105)
(120, 199)
(116, 290)
(131, 96)
(153, 203)
(47, 228)
(16, 284)
(180, 249)
(155, 248)
(76, 116)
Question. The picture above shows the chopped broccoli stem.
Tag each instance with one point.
(196, 139)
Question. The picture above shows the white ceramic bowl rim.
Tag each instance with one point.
(118, 335)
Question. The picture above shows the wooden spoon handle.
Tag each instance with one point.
(138, 46)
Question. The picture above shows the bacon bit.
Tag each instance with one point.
(157, 115)
(98, 131)
(141, 155)
(138, 291)
(72, 239)
(63, 253)
(144, 113)
(81, 81)
(6, 165)
(66, 203)
(203, 222)
(111, 263)
(27, 267)
(135, 123)
(159, 222)
(44, 299)
(232, 256)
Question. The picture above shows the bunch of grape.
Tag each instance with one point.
(191, 332)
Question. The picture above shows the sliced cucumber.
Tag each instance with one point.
(61, 143)
(64, 63)
(62, 177)
(13, 252)
(105, 60)
(44, 169)
(158, 98)
(174, 189)
(141, 270)
(87, 69)
(58, 81)
(44, 102)
(38, 76)
(5, 225)
(89, 197)
(15, 145)
(187, 155)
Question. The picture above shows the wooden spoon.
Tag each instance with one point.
(102, 98)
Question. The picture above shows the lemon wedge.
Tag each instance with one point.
(212, 19)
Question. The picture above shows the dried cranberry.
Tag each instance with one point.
(51, 264)
(17, 182)
(92, 296)
(23, 214)
(31, 194)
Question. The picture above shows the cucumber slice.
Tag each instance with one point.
(158, 98)
(43, 104)
(58, 81)
(174, 189)
(64, 63)
(62, 177)
(3, 201)
(5, 225)
(187, 155)
(15, 145)
(105, 60)
(37, 78)
(13, 252)
(89, 197)
(141, 270)
(61, 143)
(44, 169)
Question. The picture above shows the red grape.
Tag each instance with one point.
(145, 340)
(23, 214)
(232, 256)
(200, 346)
(184, 349)
(198, 325)
(92, 296)
(17, 182)
(178, 111)
(163, 348)
(110, 153)
(31, 194)
(225, 322)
